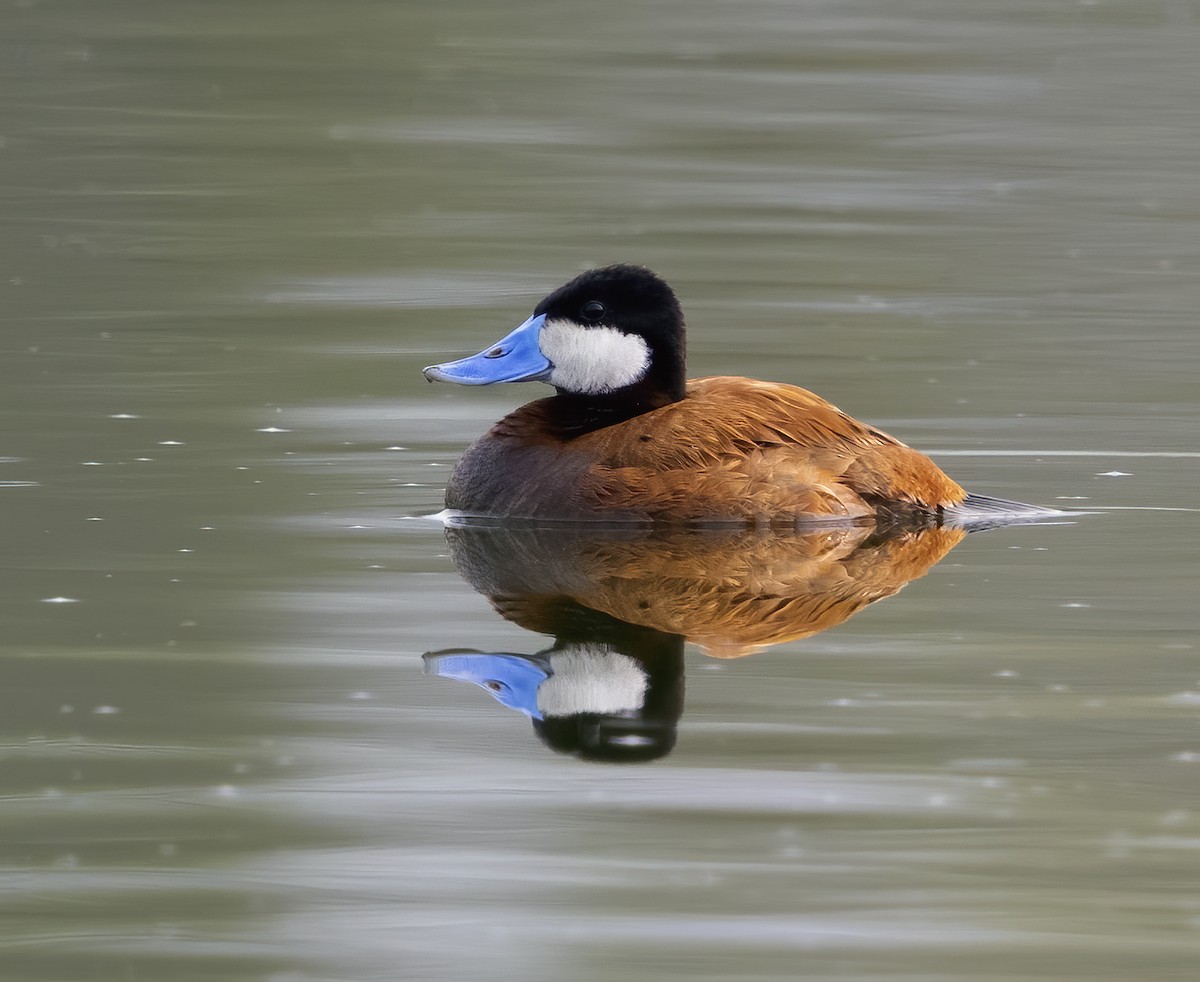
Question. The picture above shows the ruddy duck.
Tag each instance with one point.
(627, 437)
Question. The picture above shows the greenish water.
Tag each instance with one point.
(233, 234)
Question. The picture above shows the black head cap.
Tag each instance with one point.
(635, 301)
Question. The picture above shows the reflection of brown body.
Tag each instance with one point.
(620, 603)
(732, 594)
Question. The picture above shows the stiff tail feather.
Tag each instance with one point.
(979, 511)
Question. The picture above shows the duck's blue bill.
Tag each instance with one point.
(512, 680)
(514, 358)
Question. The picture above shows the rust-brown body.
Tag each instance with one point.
(732, 450)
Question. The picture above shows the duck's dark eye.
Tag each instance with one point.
(593, 310)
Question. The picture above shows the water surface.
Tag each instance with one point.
(234, 233)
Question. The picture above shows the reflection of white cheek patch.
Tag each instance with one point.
(589, 678)
(592, 360)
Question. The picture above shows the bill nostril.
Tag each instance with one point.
(496, 352)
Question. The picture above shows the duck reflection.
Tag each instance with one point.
(621, 603)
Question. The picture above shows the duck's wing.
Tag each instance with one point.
(775, 447)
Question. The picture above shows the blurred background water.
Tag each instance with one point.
(232, 235)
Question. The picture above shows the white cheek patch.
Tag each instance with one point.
(592, 360)
(590, 678)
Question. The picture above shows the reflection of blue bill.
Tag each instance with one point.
(512, 679)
